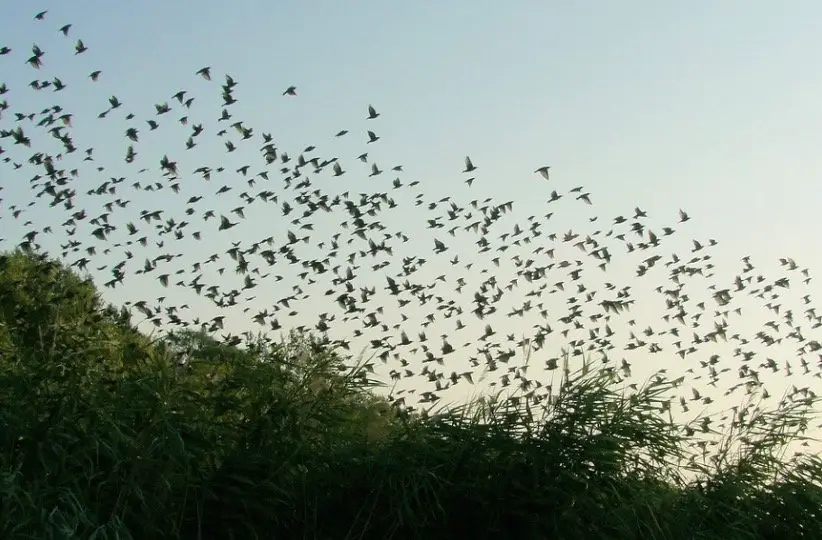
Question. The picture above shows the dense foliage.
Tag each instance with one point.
(106, 433)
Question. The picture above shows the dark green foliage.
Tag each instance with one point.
(104, 434)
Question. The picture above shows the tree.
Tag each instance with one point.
(48, 314)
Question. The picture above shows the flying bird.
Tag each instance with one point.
(290, 91)
(468, 165)
(372, 113)
(37, 54)
(543, 171)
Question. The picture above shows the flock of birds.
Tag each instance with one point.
(374, 295)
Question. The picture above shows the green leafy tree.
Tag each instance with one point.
(48, 312)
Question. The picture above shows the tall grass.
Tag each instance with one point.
(277, 442)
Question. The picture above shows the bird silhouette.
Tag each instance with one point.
(543, 171)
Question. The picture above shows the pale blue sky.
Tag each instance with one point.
(713, 107)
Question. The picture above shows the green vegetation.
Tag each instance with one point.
(108, 434)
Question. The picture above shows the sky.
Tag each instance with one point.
(711, 107)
